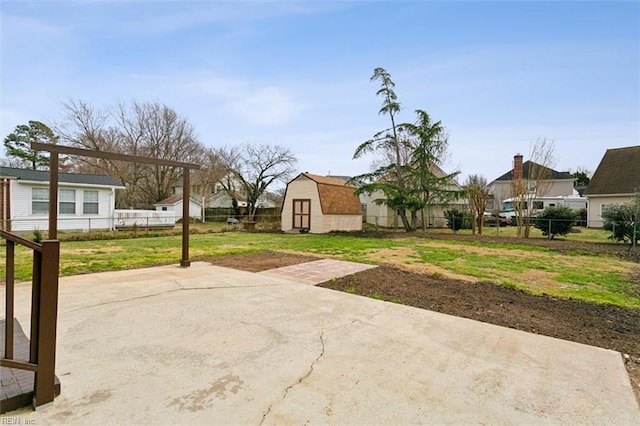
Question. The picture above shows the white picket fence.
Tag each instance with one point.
(144, 219)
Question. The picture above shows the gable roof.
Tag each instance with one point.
(327, 180)
(528, 166)
(336, 195)
(617, 173)
(173, 200)
(43, 176)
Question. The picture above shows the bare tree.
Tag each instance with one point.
(254, 168)
(212, 171)
(84, 126)
(146, 129)
(165, 135)
(532, 183)
(478, 193)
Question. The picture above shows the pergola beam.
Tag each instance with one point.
(55, 150)
(60, 149)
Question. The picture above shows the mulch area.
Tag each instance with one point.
(605, 326)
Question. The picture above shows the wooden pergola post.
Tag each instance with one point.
(186, 201)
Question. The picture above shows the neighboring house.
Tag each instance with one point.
(220, 198)
(556, 183)
(85, 201)
(320, 204)
(615, 181)
(432, 216)
(174, 204)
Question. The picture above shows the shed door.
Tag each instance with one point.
(302, 214)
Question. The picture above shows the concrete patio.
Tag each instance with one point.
(212, 345)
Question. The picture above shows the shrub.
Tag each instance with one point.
(456, 220)
(554, 221)
(622, 220)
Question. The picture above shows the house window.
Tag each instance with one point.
(164, 209)
(90, 202)
(67, 202)
(39, 200)
(604, 208)
(532, 186)
(538, 205)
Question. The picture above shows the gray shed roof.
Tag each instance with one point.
(43, 176)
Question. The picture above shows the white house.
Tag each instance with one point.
(173, 204)
(85, 201)
(320, 204)
(552, 182)
(220, 198)
(615, 182)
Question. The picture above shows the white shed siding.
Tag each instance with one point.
(341, 222)
(594, 208)
(302, 188)
(22, 218)
(195, 209)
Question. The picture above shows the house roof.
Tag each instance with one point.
(617, 173)
(433, 168)
(326, 180)
(336, 196)
(43, 176)
(529, 166)
(173, 200)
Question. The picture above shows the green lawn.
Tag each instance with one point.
(539, 270)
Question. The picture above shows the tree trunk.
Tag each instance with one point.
(405, 221)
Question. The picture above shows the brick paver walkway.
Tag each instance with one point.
(16, 386)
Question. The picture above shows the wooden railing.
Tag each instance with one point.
(44, 314)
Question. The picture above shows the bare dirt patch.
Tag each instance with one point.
(403, 257)
(605, 326)
(256, 262)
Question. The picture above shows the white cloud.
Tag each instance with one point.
(149, 18)
(250, 102)
(215, 86)
(21, 26)
(265, 106)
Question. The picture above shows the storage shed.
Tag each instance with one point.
(320, 204)
(174, 204)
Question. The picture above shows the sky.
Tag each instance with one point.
(498, 75)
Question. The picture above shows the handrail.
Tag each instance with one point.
(44, 307)
(22, 241)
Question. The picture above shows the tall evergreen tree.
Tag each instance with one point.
(18, 145)
(408, 175)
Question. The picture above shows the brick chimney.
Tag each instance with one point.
(517, 167)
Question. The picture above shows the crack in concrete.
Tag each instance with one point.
(291, 386)
(173, 290)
